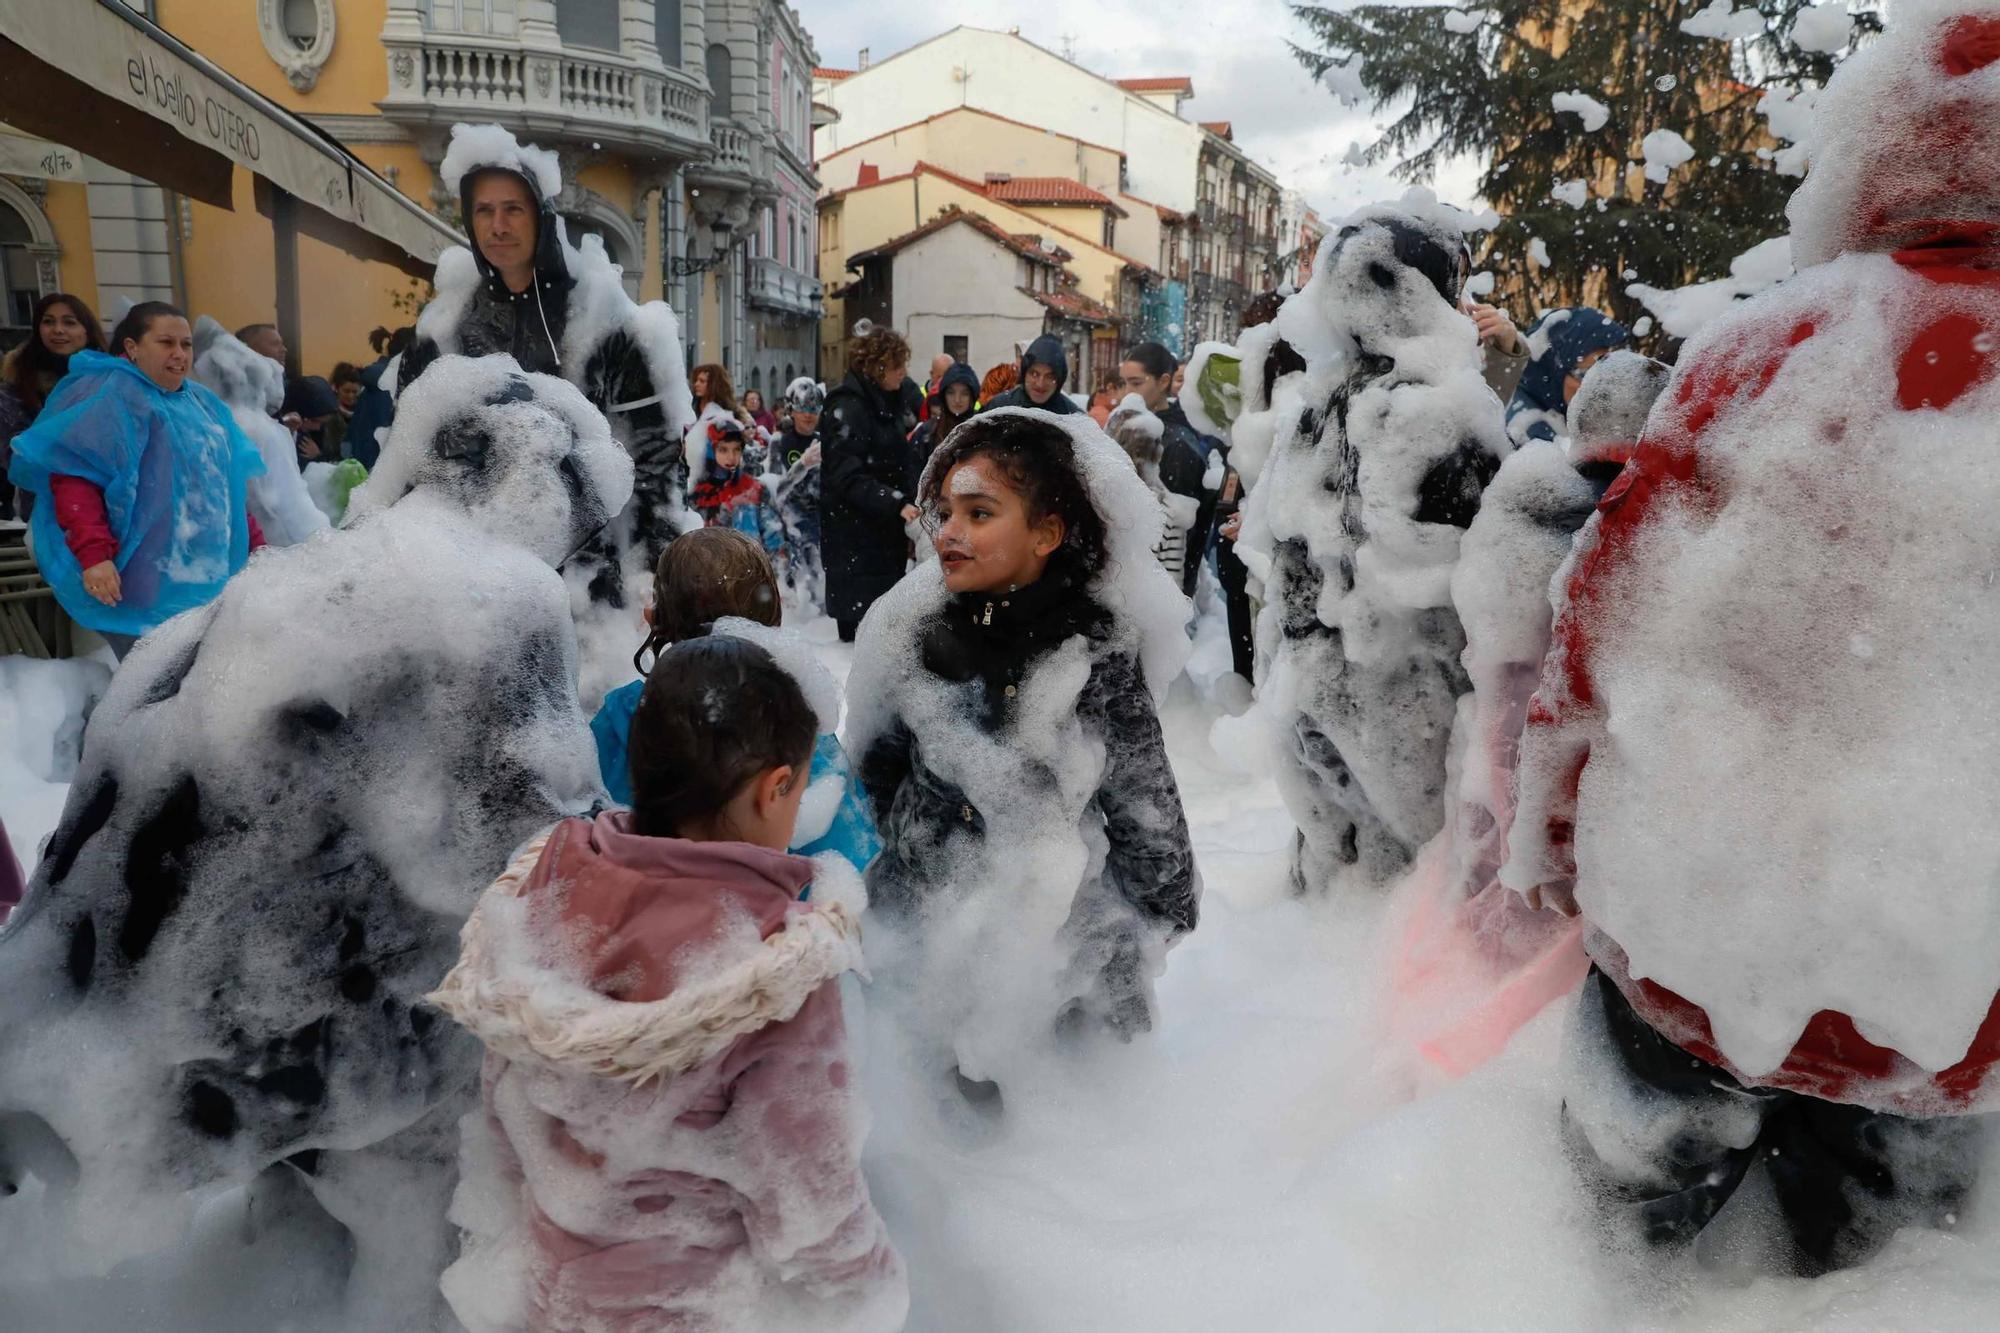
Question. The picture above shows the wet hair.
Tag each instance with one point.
(386, 343)
(1263, 308)
(715, 713)
(138, 322)
(701, 577)
(1153, 358)
(872, 355)
(720, 390)
(1039, 462)
(32, 362)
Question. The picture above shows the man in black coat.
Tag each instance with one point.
(1044, 370)
(866, 479)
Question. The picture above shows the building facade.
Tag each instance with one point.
(682, 128)
(1186, 202)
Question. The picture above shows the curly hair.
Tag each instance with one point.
(1039, 461)
(871, 355)
(720, 391)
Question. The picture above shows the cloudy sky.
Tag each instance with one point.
(1234, 50)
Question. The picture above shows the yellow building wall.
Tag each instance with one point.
(355, 75)
(68, 210)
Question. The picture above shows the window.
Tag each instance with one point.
(17, 266)
(719, 81)
(785, 100)
(591, 23)
(476, 16)
(301, 20)
(957, 346)
(667, 31)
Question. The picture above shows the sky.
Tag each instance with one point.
(1234, 50)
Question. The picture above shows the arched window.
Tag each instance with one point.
(719, 81)
(17, 265)
(667, 31)
(757, 379)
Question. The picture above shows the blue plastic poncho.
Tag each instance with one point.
(172, 467)
(852, 833)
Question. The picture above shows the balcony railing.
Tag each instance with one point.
(779, 287)
(438, 78)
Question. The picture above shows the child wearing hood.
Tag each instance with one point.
(1036, 862)
(672, 1130)
(728, 494)
(1142, 436)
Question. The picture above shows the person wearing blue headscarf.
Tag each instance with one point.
(1571, 340)
(139, 475)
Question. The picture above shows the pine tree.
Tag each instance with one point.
(1488, 91)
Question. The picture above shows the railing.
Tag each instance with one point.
(733, 145)
(776, 286)
(440, 77)
(482, 76)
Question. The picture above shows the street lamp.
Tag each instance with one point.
(683, 267)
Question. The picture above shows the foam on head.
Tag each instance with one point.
(1902, 138)
(477, 147)
(486, 439)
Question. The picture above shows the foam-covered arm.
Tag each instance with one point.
(1151, 858)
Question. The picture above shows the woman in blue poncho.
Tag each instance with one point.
(1572, 340)
(139, 476)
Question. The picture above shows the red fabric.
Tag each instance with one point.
(86, 524)
(1943, 360)
(716, 500)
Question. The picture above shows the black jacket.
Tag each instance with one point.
(1046, 350)
(997, 640)
(867, 475)
(1182, 469)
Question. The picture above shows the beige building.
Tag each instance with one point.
(877, 210)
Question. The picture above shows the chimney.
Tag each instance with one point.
(863, 62)
(870, 174)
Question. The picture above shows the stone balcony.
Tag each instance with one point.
(781, 288)
(545, 93)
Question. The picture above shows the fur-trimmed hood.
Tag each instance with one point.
(603, 953)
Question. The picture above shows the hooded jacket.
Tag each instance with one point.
(673, 1129)
(1876, 364)
(574, 320)
(1046, 350)
(1536, 411)
(927, 438)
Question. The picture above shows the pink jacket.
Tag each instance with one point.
(672, 1133)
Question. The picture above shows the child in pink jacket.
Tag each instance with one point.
(671, 1131)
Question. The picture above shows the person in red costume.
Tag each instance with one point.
(1761, 764)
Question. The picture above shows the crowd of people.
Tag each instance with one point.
(671, 1120)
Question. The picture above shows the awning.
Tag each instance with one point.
(97, 77)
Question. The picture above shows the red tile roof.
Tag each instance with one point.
(1027, 246)
(822, 72)
(1221, 129)
(1074, 305)
(927, 168)
(1178, 83)
(1048, 190)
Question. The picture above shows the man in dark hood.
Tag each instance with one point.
(1044, 370)
(524, 291)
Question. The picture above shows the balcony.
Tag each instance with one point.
(738, 163)
(552, 93)
(783, 289)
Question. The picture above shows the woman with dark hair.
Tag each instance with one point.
(957, 399)
(868, 478)
(1003, 701)
(760, 416)
(139, 476)
(62, 326)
